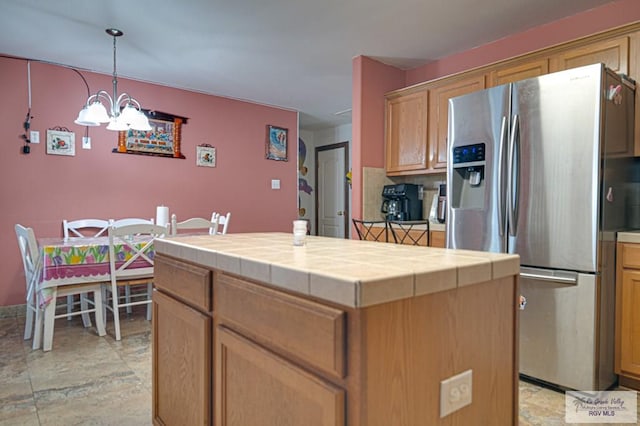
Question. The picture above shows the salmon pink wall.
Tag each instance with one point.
(39, 190)
(371, 80)
(590, 22)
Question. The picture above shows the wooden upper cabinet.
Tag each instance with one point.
(439, 115)
(406, 132)
(518, 71)
(614, 53)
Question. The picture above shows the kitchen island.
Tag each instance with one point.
(251, 330)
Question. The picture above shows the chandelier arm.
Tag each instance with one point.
(129, 100)
(100, 94)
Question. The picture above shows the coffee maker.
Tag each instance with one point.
(401, 202)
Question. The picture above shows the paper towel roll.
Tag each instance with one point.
(162, 215)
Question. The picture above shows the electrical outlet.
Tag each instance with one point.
(275, 183)
(86, 142)
(34, 136)
(455, 393)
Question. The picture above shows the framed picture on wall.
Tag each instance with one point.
(163, 140)
(276, 146)
(61, 142)
(205, 156)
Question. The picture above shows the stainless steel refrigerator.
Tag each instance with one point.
(535, 168)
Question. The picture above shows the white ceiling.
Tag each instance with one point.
(294, 54)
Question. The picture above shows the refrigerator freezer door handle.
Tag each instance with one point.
(562, 277)
(514, 178)
(501, 188)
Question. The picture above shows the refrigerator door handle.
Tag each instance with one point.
(514, 176)
(501, 204)
(562, 277)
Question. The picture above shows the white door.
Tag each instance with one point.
(331, 170)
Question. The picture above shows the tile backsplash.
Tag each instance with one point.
(374, 179)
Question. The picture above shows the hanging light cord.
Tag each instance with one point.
(27, 122)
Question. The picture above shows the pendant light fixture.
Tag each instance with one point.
(124, 111)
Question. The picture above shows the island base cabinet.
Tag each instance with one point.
(397, 354)
(257, 387)
(181, 363)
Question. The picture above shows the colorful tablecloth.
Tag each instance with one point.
(82, 260)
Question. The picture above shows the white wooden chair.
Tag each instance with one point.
(32, 261)
(131, 221)
(135, 270)
(194, 223)
(223, 222)
(32, 270)
(125, 222)
(83, 228)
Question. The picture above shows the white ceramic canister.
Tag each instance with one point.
(299, 232)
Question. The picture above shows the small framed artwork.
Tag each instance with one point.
(276, 143)
(205, 156)
(61, 142)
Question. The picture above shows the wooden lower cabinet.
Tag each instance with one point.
(181, 363)
(396, 355)
(256, 387)
(182, 343)
(265, 356)
(437, 239)
(628, 313)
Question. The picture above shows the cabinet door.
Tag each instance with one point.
(439, 115)
(518, 71)
(181, 363)
(630, 323)
(258, 388)
(436, 239)
(613, 53)
(406, 132)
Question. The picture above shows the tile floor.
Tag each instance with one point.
(84, 380)
(87, 380)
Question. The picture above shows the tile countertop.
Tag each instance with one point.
(437, 226)
(348, 272)
(629, 237)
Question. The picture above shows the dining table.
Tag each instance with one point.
(80, 260)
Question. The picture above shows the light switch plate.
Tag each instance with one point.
(455, 392)
(34, 136)
(275, 183)
(86, 142)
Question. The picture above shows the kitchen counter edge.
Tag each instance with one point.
(352, 273)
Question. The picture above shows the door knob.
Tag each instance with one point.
(340, 213)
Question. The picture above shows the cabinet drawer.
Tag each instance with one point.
(307, 330)
(631, 256)
(189, 283)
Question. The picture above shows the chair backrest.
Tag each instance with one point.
(371, 230)
(30, 257)
(132, 221)
(194, 223)
(131, 250)
(412, 233)
(223, 222)
(85, 227)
